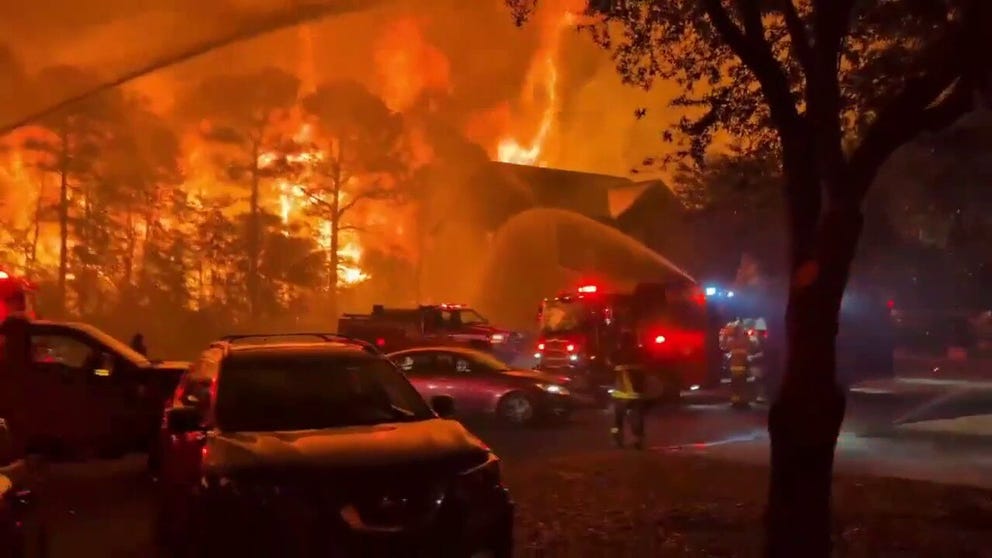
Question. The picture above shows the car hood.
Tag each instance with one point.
(381, 445)
(169, 365)
(533, 375)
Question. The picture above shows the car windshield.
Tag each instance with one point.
(564, 315)
(490, 361)
(279, 393)
(463, 316)
(115, 345)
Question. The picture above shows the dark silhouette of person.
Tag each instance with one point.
(138, 344)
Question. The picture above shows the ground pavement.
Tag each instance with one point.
(580, 497)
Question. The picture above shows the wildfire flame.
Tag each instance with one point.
(541, 87)
(293, 202)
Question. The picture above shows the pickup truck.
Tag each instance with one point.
(86, 394)
(394, 329)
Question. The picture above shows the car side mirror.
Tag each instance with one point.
(104, 365)
(443, 405)
(182, 420)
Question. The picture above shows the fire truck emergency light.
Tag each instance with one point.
(660, 339)
(3, 275)
(587, 289)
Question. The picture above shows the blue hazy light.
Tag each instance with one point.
(710, 291)
(730, 294)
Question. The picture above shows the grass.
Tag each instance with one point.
(645, 504)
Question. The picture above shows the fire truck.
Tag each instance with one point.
(581, 329)
(393, 329)
(17, 296)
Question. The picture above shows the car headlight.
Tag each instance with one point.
(554, 388)
(479, 479)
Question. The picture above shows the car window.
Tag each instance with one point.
(416, 363)
(485, 361)
(444, 362)
(290, 392)
(462, 365)
(63, 349)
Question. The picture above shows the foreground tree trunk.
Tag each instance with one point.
(805, 418)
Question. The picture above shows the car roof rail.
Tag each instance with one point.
(229, 340)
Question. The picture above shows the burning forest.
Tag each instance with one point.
(278, 179)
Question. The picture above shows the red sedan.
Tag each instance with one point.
(481, 384)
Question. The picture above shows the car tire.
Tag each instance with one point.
(517, 409)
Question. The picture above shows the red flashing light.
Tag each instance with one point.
(660, 339)
(380, 342)
(4, 275)
(570, 348)
(891, 304)
(540, 346)
(588, 289)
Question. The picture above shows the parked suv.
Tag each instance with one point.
(321, 447)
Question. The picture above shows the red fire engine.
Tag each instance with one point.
(581, 329)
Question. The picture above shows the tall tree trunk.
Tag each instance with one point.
(132, 241)
(806, 415)
(334, 259)
(36, 225)
(253, 236)
(63, 219)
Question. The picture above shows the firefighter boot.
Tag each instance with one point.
(738, 390)
(619, 421)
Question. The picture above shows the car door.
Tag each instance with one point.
(463, 381)
(75, 395)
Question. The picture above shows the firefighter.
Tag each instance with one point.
(738, 346)
(629, 401)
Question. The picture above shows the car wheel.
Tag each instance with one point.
(517, 409)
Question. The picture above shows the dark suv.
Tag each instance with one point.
(321, 449)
